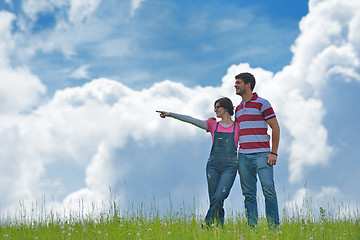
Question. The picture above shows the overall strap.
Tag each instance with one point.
(216, 126)
(234, 126)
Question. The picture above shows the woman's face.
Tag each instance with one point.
(220, 111)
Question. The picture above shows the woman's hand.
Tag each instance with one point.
(163, 114)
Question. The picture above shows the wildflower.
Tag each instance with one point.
(138, 234)
(129, 234)
(311, 238)
(6, 235)
(279, 232)
(302, 228)
(169, 233)
(264, 237)
(99, 232)
(69, 234)
(149, 230)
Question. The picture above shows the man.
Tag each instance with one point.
(254, 114)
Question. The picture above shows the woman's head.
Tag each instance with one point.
(226, 103)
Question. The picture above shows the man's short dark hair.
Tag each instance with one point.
(247, 78)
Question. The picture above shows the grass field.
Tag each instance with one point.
(142, 223)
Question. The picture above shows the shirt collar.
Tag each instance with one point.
(254, 97)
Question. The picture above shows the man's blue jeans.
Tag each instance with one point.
(251, 165)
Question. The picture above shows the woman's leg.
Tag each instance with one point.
(225, 182)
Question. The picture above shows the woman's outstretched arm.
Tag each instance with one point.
(197, 122)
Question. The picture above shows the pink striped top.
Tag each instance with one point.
(211, 126)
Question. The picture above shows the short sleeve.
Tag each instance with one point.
(267, 111)
(211, 124)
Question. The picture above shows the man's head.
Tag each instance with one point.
(244, 81)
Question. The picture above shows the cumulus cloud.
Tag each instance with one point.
(86, 125)
(326, 49)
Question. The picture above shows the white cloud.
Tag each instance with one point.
(135, 4)
(6, 41)
(78, 10)
(18, 80)
(33, 7)
(326, 48)
(82, 9)
(80, 72)
(74, 25)
(88, 123)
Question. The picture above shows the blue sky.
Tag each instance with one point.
(81, 80)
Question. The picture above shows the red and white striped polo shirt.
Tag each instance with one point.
(253, 126)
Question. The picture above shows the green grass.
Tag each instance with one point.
(141, 223)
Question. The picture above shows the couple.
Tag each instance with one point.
(253, 157)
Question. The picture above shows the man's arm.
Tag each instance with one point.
(273, 123)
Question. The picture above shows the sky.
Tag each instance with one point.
(80, 81)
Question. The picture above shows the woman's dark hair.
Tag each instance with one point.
(227, 104)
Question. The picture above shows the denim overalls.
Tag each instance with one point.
(221, 170)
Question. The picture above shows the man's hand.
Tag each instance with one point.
(211, 119)
(272, 158)
(163, 114)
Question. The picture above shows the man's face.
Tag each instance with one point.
(240, 87)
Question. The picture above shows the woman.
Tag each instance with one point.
(222, 165)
